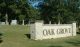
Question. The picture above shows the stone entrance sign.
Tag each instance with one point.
(14, 22)
(39, 31)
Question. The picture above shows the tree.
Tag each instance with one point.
(6, 9)
(52, 10)
(74, 5)
(27, 12)
(62, 11)
(22, 17)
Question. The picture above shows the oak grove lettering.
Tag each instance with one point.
(58, 31)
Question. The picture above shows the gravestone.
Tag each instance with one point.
(2, 23)
(14, 22)
(39, 31)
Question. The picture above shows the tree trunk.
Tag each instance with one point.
(6, 19)
(59, 19)
(49, 22)
(22, 22)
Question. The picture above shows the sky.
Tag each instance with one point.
(34, 3)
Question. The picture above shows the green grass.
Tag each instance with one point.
(14, 36)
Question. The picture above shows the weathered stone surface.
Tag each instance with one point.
(2, 23)
(14, 22)
(41, 31)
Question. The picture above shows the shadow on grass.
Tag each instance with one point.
(78, 32)
(55, 46)
(75, 43)
(1, 37)
(0, 34)
(28, 36)
(1, 40)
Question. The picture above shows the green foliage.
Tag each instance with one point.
(22, 17)
(20, 9)
(60, 10)
(63, 11)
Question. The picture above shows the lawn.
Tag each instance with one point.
(15, 36)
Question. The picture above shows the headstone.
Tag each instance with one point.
(14, 22)
(2, 23)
